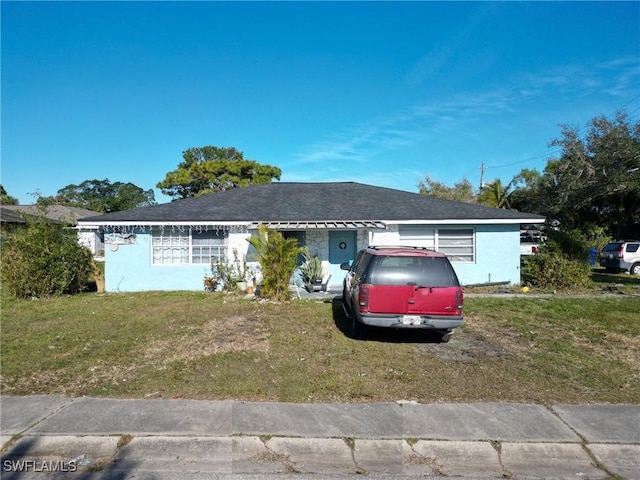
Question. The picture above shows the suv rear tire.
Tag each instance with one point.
(635, 269)
(358, 330)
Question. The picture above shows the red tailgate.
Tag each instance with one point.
(407, 299)
(434, 301)
(390, 298)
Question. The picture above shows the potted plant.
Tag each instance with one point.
(312, 273)
(210, 283)
(236, 274)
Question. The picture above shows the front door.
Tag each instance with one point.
(342, 248)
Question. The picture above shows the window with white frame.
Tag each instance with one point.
(458, 244)
(171, 246)
(418, 236)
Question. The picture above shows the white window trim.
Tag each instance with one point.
(436, 240)
(473, 245)
(186, 231)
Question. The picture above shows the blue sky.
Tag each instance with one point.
(382, 93)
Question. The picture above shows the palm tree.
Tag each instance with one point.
(494, 194)
(277, 257)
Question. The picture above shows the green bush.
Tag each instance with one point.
(278, 259)
(575, 243)
(553, 269)
(571, 244)
(44, 259)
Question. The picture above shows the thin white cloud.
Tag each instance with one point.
(402, 129)
(618, 78)
(357, 144)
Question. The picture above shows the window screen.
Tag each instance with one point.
(457, 244)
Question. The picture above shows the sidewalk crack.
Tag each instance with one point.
(497, 446)
(351, 443)
(415, 458)
(17, 436)
(272, 456)
(584, 443)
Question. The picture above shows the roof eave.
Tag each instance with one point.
(470, 221)
(162, 223)
(285, 223)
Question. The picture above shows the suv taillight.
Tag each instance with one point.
(621, 251)
(459, 300)
(363, 298)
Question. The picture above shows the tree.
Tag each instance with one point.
(101, 196)
(494, 194)
(461, 191)
(6, 199)
(596, 179)
(526, 191)
(44, 259)
(214, 169)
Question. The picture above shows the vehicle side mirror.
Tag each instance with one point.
(345, 266)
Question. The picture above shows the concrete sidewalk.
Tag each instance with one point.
(164, 438)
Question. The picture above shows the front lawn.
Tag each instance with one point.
(218, 346)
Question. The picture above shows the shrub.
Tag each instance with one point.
(277, 257)
(552, 269)
(232, 273)
(575, 243)
(44, 259)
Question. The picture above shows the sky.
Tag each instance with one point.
(382, 93)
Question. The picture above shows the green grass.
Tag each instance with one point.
(215, 346)
(600, 282)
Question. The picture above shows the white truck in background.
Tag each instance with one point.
(530, 238)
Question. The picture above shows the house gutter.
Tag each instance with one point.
(468, 221)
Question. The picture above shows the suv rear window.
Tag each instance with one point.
(612, 247)
(423, 271)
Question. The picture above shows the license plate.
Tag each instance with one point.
(411, 320)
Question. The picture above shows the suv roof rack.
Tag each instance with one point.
(408, 247)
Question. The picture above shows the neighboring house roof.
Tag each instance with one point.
(289, 203)
(9, 216)
(52, 213)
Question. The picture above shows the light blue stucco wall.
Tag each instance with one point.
(497, 256)
(128, 268)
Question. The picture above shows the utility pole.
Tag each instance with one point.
(482, 168)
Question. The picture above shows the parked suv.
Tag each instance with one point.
(402, 287)
(621, 255)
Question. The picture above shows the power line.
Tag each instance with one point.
(581, 131)
(634, 98)
(543, 155)
(550, 153)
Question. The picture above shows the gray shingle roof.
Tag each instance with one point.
(299, 202)
(53, 213)
(10, 216)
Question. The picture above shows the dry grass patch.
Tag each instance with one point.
(623, 348)
(234, 334)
